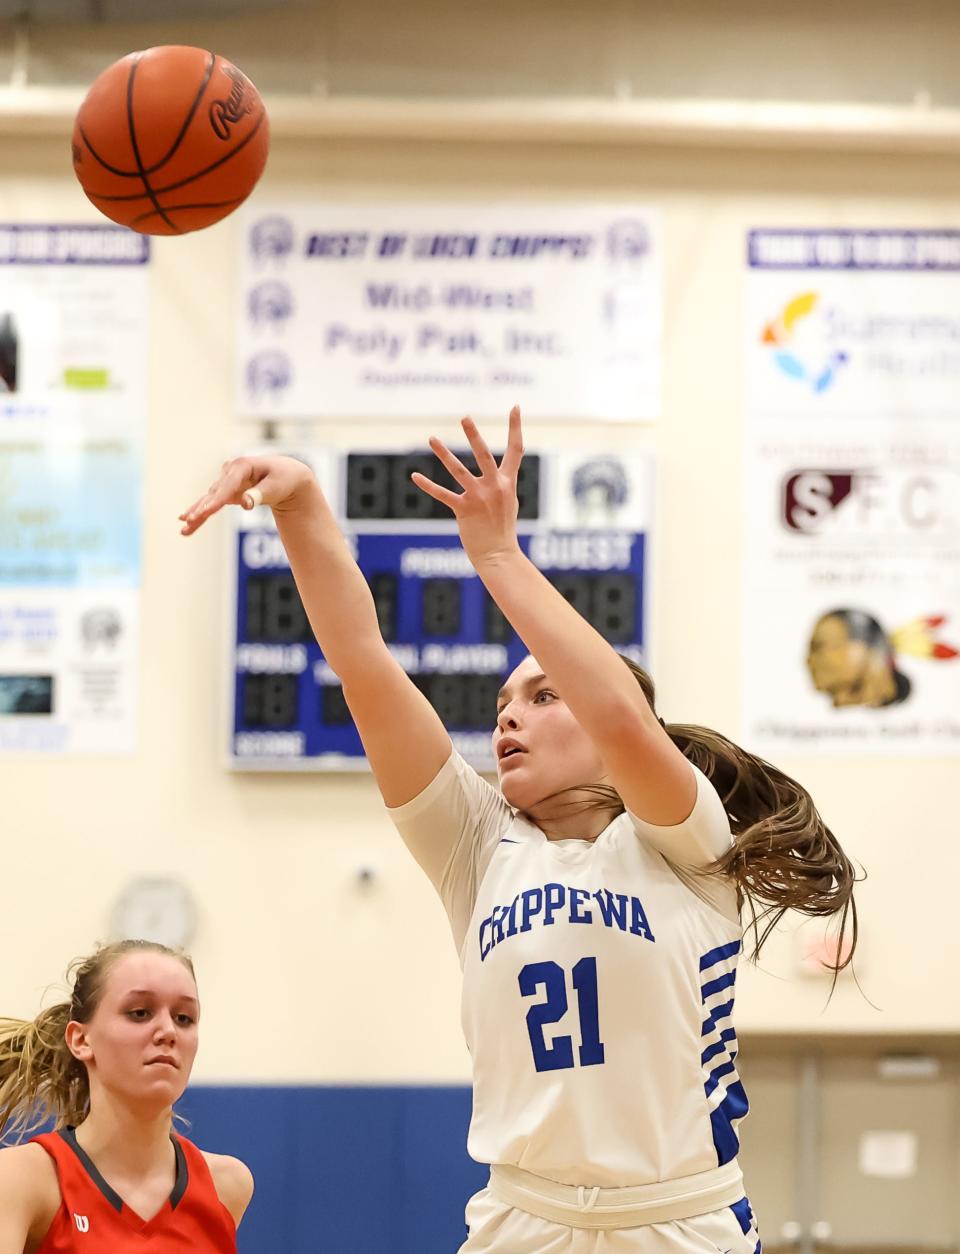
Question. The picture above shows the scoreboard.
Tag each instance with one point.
(583, 520)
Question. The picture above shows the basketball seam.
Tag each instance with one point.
(136, 147)
(111, 169)
(172, 187)
(209, 204)
(139, 173)
(191, 115)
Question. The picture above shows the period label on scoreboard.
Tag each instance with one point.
(434, 613)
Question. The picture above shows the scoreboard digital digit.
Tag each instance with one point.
(584, 521)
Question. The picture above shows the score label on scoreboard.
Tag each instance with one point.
(584, 521)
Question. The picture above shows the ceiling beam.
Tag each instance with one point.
(35, 110)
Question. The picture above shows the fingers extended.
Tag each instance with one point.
(228, 487)
(510, 463)
(443, 495)
(485, 459)
(453, 463)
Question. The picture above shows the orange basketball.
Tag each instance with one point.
(170, 140)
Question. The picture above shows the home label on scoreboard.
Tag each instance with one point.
(584, 520)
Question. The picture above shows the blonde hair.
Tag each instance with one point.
(39, 1077)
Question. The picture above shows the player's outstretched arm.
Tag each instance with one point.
(405, 741)
(648, 771)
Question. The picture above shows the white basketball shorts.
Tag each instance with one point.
(496, 1228)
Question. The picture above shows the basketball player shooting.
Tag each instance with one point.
(595, 897)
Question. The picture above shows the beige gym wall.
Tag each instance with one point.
(304, 974)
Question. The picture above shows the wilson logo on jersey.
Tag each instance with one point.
(555, 903)
(82, 1222)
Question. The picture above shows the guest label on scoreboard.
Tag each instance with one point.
(583, 520)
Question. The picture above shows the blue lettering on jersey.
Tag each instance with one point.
(532, 905)
(576, 896)
(550, 903)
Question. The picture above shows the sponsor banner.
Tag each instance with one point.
(73, 324)
(851, 607)
(68, 670)
(69, 506)
(853, 323)
(431, 310)
(851, 636)
(73, 405)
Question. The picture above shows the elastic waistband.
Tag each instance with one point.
(580, 1207)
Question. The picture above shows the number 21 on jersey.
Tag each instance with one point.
(551, 977)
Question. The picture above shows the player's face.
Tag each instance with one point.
(539, 746)
(142, 1039)
(833, 659)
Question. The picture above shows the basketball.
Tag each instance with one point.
(170, 140)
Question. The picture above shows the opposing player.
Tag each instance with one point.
(594, 897)
(108, 1066)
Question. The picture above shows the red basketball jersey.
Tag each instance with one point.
(93, 1219)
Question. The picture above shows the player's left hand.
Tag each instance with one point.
(486, 509)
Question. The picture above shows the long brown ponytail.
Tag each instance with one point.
(784, 857)
(39, 1077)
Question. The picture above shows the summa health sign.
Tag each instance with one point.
(857, 322)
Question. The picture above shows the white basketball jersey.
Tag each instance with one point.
(598, 985)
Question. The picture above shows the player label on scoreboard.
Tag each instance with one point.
(401, 310)
(584, 521)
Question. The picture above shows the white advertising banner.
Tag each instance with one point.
(851, 627)
(73, 406)
(849, 324)
(432, 310)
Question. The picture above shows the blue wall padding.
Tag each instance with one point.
(344, 1170)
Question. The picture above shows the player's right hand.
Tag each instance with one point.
(248, 482)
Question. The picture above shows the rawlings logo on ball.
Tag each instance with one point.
(226, 113)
